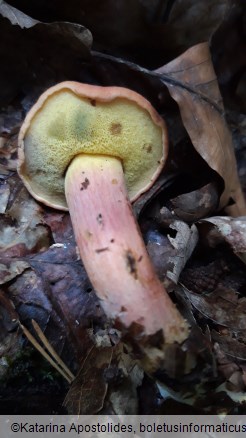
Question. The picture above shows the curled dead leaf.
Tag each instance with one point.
(183, 243)
(192, 83)
(170, 254)
(196, 204)
(74, 30)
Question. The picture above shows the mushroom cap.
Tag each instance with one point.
(71, 119)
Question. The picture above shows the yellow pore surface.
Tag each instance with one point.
(68, 125)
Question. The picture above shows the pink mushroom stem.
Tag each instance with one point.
(113, 251)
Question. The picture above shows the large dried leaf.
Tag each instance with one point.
(56, 293)
(48, 283)
(195, 89)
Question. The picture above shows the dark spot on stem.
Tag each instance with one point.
(131, 264)
(140, 258)
(115, 128)
(112, 240)
(100, 219)
(102, 250)
(84, 184)
(93, 102)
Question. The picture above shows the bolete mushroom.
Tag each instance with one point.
(90, 150)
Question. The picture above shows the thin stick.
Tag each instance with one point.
(51, 350)
(44, 354)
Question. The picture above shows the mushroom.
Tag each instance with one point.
(91, 150)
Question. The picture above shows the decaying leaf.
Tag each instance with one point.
(199, 100)
(88, 391)
(68, 30)
(230, 230)
(107, 382)
(9, 269)
(223, 307)
(8, 148)
(196, 204)
(4, 197)
(124, 377)
(41, 274)
(203, 279)
(170, 254)
(231, 346)
(10, 338)
(230, 354)
(21, 229)
(56, 293)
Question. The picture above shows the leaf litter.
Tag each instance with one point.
(42, 276)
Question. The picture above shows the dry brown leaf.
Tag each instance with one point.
(56, 293)
(205, 278)
(196, 204)
(223, 307)
(87, 393)
(230, 346)
(195, 89)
